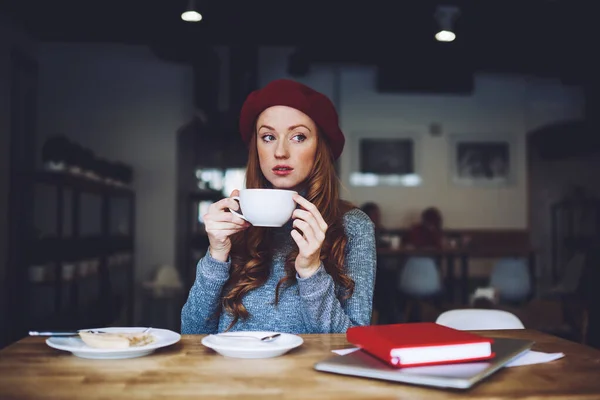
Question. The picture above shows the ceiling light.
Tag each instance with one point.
(191, 14)
(445, 16)
(445, 36)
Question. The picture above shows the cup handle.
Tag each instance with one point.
(237, 198)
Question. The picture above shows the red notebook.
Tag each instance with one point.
(423, 343)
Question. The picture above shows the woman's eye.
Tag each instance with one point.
(268, 138)
(299, 137)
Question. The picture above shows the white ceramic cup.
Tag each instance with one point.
(266, 207)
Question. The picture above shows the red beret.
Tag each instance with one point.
(286, 92)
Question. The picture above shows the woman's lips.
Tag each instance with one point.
(282, 170)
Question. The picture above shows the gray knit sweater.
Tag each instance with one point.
(308, 306)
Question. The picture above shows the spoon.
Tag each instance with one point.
(268, 338)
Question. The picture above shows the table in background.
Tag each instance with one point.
(31, 370)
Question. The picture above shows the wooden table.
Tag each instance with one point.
(31, 370)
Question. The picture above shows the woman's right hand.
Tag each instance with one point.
(220, 224)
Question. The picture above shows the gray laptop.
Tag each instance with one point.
(457, 376)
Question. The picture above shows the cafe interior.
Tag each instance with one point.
(471, 142)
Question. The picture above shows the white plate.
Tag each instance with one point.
(76, 346)
(228, 345)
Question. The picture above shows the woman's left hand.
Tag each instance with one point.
(309, 235)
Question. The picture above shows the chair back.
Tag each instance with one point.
(420, 277)
(511, 277)
(473, 319)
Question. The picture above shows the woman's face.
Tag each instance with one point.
(287, 146)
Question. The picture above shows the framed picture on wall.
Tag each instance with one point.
(479, 160)
(387, 156)
(385, 160)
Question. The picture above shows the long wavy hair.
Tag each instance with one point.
(251, 253)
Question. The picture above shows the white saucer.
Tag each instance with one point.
(239, 347)
(76, 346)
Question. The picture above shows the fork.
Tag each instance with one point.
(59, 333)
(71, 333)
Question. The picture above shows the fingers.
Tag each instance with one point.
(307, 231)
(225, 221)
(308, 223)
(218, 214)
(218, 217)
(312, 209)
(310, 226)
(216, 210)
(300, 240)
(223, 204)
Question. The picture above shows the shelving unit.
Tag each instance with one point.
(575, 224)
(80, 271)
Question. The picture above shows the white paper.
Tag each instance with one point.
(534, 357)
(528, 358)
(342, 352)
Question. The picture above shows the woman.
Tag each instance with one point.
(315, 274)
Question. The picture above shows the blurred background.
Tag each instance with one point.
(472, 129)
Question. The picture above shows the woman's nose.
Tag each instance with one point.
(282, 151)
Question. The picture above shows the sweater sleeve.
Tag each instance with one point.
(322, 311)
(199, 313)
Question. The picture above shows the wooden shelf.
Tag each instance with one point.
(92, 246)
(81, 183)
(95, 299)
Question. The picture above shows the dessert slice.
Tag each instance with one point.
(110, 340)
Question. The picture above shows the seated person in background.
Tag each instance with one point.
(428, 233)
